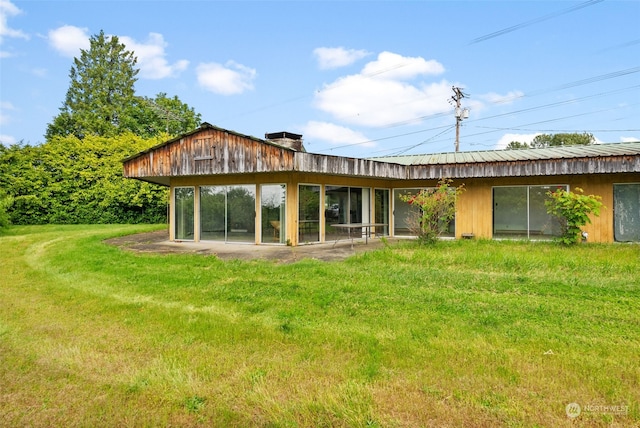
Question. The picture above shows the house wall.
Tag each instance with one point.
(291, 179)
(474, 208)
(211, 151)
(475, 205)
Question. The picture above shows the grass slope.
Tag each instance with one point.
(466, 333)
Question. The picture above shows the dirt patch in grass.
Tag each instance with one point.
(158, 242)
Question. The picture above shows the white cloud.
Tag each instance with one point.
(39, 72)
(4, 107)
(7, 10)
(7, 140)
(68, 40)
(228, 79)
(392, 66)
(522, 138)
(629, 139)
(329, 58)
(334, 134)
(384, 92)
(152, 57)
(508, 98)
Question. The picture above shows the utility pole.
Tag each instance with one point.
(460, 112)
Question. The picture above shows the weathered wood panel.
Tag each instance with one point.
(210, 152)
(546, 167)
(474, 212)
(335, 165)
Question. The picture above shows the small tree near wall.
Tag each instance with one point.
(572, 210)
(437, 209)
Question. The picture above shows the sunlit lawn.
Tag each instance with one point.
(465, 333)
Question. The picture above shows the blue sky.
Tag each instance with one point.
(356, 78)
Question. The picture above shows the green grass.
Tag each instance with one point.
(465, 333)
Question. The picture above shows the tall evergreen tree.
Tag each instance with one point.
(100, 92)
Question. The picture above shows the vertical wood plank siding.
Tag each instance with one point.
(210, 152)
(355, 167)
(214, 152)
(529, 168)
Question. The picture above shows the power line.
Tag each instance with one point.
(567, 85)
(385, 138)
(533, 21)
(422, 143)
(550, 105)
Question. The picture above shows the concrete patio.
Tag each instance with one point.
(158, 242)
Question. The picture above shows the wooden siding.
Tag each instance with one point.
(529, 168)
(215, 152)
(356, 167)
(474, 211)
(209, 152)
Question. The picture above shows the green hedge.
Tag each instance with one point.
(73, 181)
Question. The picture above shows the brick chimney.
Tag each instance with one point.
(286, 139)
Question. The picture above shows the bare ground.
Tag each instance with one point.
(158, 242)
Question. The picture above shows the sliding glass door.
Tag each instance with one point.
(308, 213)
(520, 212)
(184, 208)
(273, 213)
(345, 205)
(381, 211)
(227, 213)
(213, 208)
(406, 217)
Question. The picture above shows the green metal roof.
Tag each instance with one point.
(564, 152)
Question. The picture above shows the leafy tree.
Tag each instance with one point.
(101, 99)
(100, 93)
(555, 140)
(23, 178)
(5, 203)
(68, 180)
(148, 117)
(515, 145)
(572, 210)
(437, 209)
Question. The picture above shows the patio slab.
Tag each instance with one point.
(158, 242)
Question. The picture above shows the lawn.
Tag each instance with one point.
(464, 333)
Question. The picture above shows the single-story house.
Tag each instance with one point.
(226, 186)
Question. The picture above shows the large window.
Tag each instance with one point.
(213, 208)
(520, 212)
(308, 213)
(345, 205)
(406, 217)
(183, 202)
(381, 210)
(273, 214)
(227, 213)
(626, 212)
